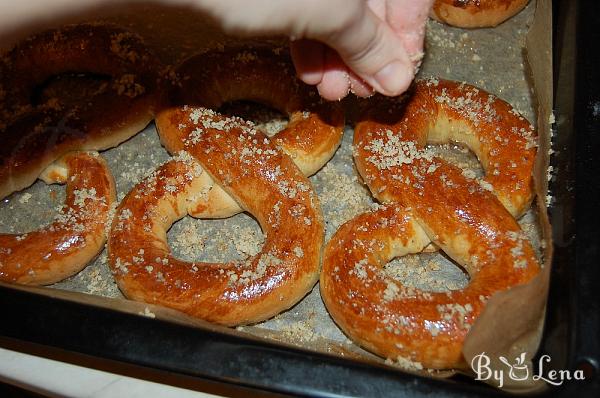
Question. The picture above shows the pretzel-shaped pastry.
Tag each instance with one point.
(267, 76)
(264, 181)
(76, 236)
(431, 200)
(120, 106)
(475, 13)
(441, 111)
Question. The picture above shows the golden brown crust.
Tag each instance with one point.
(475, 13)
(264, 181)
(75, 237)
(430, 200)
(438, 111)
(397, 321)
(266, 76)
(121, 106)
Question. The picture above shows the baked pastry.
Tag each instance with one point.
(266, 76)
(37, 129)
(429, 200)
(77, 234)
(263, 181)
(475, 13)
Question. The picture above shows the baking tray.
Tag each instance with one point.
(572, 332)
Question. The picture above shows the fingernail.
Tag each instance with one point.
(394, 78)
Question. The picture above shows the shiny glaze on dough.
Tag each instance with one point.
(263, 75)
(475, 13)
(264, 181)
(34, 135)
(77, 235)
(429, 201)
(438, 111)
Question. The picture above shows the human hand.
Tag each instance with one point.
(339, 45)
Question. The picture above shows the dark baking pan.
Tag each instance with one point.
(180, 355)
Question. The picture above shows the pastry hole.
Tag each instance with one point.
(232, 239)
(31, 208)
(267, 119)
(459, 156)
(431, 272)
(71, 89)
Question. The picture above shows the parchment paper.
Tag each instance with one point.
(493, 59)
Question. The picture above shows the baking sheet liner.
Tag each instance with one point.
(508, 61)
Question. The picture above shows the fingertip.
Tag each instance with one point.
(335, 85)
(376, 54)
(359, 87)
(394, 78)
(309, 59)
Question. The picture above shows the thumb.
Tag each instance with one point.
(373, 51)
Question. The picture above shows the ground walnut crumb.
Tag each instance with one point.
(147, 313)
(404, 363)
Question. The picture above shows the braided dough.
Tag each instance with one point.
(264, 181)
(475, 13)
(266, 76)
(431, 201)
(75, 237)
(36, 134)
